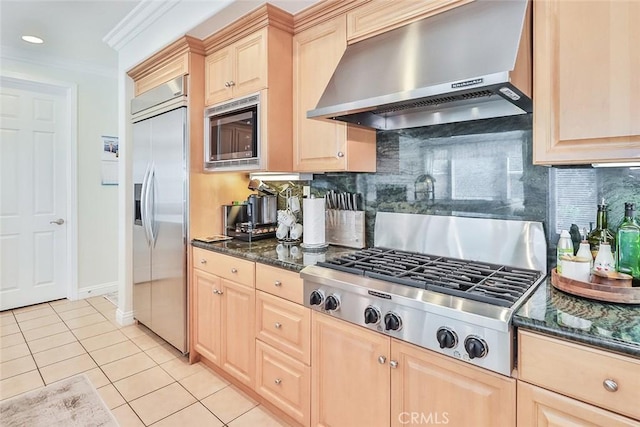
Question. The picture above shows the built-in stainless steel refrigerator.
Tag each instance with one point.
(160, 180)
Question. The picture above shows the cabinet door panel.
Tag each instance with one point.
(237, 328)
(207, 315)
(250, 64)
(435, 390)
(218, 71)
(350, 387)
(586, 82)
(538, 407)
(316, 54)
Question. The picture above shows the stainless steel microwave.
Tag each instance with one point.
(232, 135)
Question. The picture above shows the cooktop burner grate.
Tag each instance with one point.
(490, 283)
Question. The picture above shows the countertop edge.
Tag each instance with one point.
(221, 248)
(601, 344)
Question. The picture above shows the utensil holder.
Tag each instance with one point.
(345, 228)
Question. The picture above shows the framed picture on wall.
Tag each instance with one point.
(109, 160)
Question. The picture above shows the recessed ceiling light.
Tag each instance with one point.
(32, 39)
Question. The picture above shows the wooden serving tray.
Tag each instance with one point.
(617, 294)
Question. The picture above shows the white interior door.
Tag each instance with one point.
(34, 136)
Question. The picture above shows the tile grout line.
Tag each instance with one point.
(100, 367)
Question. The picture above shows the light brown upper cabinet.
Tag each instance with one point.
(238, 69)
(378, 16)
(586, 82)
(320, 146)
(254, 54)
(182, 57)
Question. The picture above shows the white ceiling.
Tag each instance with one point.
(73, 31)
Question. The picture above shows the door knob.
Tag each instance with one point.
(58, 221)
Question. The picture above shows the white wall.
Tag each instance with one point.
(97, 210)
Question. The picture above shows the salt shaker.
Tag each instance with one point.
(604, 260)
(585, 252)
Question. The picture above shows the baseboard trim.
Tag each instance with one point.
(124, 318)
(102, 289)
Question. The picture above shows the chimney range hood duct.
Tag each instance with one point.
(469, 63)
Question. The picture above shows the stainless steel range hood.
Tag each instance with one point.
(469, 63)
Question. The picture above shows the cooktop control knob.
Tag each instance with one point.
(475, 346)
(447, 338)
(316, 297)
(371, 315)
(392, 322)
(332, 303)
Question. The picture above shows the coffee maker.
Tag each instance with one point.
(252, 220)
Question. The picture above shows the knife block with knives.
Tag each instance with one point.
(344, 223)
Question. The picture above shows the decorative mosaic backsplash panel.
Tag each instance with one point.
(482, 169)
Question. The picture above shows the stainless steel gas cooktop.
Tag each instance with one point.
(450, 284)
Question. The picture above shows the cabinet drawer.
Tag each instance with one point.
(279, 282)
(225, 266)
(580, 372)
(284, 325)
(540, 407)
(284, 381)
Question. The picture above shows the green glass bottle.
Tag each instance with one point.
(628, 246)
(601, 233)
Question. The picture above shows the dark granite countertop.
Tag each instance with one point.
(269, 251)
(614, 327)
(608, 326)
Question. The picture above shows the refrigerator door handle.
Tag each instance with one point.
(151, 200)
(144, 211)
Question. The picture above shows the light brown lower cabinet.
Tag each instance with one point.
(538, 407)
(223, 313)
(206, 318)
(284, 381)
(349, 374)
(363, 378)
(564, 383)
(430, 389)
(237, 331)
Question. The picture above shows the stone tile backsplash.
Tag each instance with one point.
(483, 169)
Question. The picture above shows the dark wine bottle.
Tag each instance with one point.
(601, 233)
(628, 249)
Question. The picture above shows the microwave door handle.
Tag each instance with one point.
(143, 203)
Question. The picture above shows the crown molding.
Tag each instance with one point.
(139, 19)
(13, 54)
(265, 15)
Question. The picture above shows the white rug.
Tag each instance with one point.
(70, 402)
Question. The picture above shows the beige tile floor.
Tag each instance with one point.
(141, 378)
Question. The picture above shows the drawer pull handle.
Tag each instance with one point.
(610, 385)
(393, 364)
(382, 360)
(234, 270)
(203, 261)
(277, 283)
(278, 381)
(217, 292)
(278, 325)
